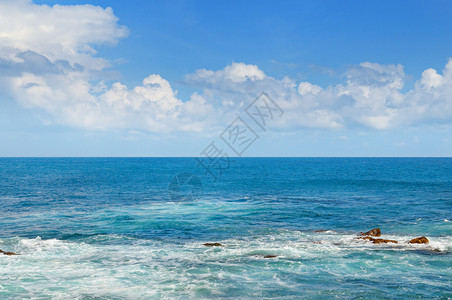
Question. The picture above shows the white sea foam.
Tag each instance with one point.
(147, 269)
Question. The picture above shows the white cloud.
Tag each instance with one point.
(370, 97)
(235, 73)
(152, 106)
(305, 88)
(431, 99)
(61, 32)
(48, 62)
(431, 79)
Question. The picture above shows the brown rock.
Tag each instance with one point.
(374, 232)
(212, 244)
(377, 241)
(419, 240)
(321, 230)
(383, 241)
(7, 253)
(270, 256)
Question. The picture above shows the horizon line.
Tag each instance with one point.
(229, 157)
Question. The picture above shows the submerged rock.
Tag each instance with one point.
(377, 241)
(373, 232)
(383, 241)
(212, 244)
(434, 250)
(7, 253)
(419, 240)
(270, 256)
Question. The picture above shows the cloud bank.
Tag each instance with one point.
(48, 63)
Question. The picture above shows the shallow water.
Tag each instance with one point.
(89, 228)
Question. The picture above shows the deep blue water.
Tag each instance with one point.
(95, 228)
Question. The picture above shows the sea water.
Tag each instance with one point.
(111, 228)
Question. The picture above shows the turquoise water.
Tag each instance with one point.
(105, 228)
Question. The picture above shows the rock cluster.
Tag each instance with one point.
(377, 232)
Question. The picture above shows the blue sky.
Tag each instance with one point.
(354, 78)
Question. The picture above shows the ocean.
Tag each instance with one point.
(135, 228)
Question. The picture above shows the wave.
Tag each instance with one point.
(288, 261)
(269, 239)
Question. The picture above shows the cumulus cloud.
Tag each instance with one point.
(48, 62)
(152, 106)
(371, 96)
(431, 99)
(60, 32)
(305, 88)
(235, 73)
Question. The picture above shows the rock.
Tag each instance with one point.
(212, 244)
(383, 241)
(374, 232)
(377, 241)
(321, 230)
(435, 250)
(7, 253)
(270, 256)
(419, 240)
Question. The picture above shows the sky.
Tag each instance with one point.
(169, 78)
